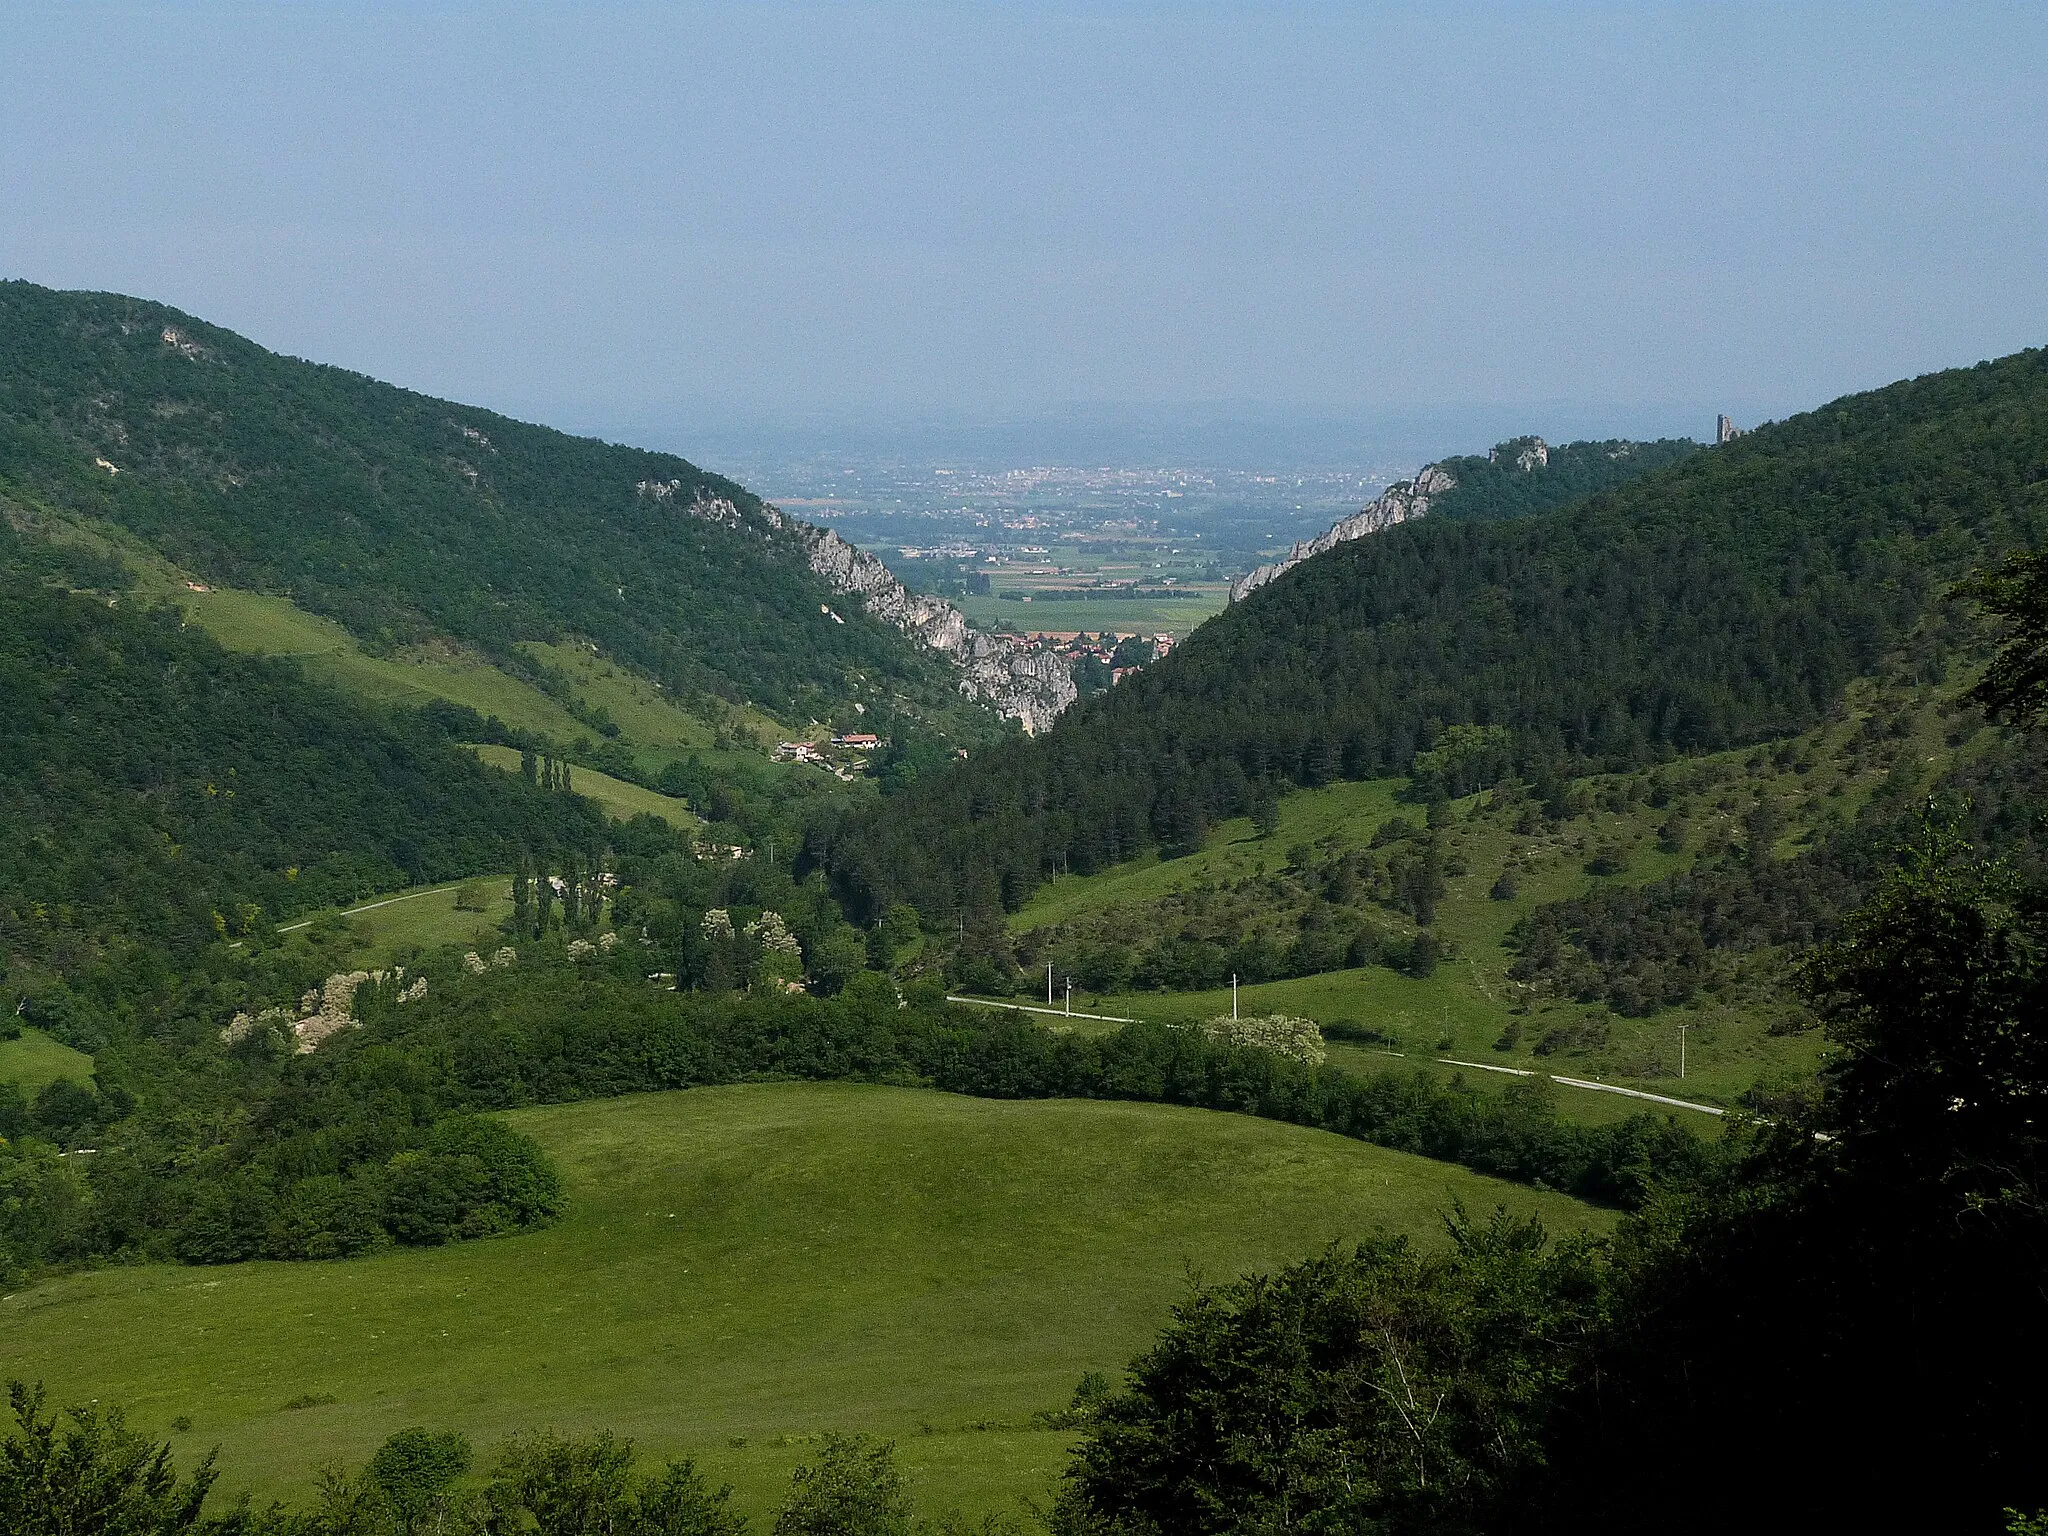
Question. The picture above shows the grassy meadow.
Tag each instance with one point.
(741, 1269)
(34, 1061)
(621, 801)
(425, 917)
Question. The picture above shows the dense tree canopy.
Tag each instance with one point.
(1726, 599)
(158, 789)
(1512, 481)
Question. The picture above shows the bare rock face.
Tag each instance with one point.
(1401, 502)
(1030, 687)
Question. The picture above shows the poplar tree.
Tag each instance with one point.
(522, 885)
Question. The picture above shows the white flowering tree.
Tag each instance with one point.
(1280, 1033)
(780, 961)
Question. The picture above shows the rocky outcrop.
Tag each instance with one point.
(1402, 502)
(1030, 687)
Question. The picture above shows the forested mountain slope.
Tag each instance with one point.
(158, 792)
(407, 518)
(1725, 600)
(1518, 478)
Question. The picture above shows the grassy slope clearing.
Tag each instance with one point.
(35, 1060)
(742, 1268)
(658, 731)
(1471, 1005)
(426, 917)
(621, 801)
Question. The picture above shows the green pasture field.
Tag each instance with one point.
(658, 728)
(1174, 616)
(389, 928)
(741, 1269)
(621, 801)
(35, 1060)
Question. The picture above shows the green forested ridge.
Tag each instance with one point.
(1577, 931)
(405, 517)
(1755, 1346)
(1727, 599)
(160, 792)
(1498, 485)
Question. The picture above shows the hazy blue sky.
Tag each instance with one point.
(606, 213)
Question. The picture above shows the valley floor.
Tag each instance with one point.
(742, 1269)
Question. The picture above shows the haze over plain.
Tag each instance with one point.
(678, 222)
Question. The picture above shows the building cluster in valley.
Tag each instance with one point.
(844, 754)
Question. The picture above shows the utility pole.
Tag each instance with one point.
(1681, 1050)
(1070, 997)
(1048, 983)
(1233, 995)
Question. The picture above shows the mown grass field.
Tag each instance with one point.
(621, 801)
(35, 1060)
(742, 1269)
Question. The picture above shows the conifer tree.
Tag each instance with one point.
(522, 885)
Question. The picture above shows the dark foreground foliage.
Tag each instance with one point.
(1386, 1388)
(83, 1473)
(1843, 1329)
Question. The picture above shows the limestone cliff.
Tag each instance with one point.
(1401, 502)
(1030, 687)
